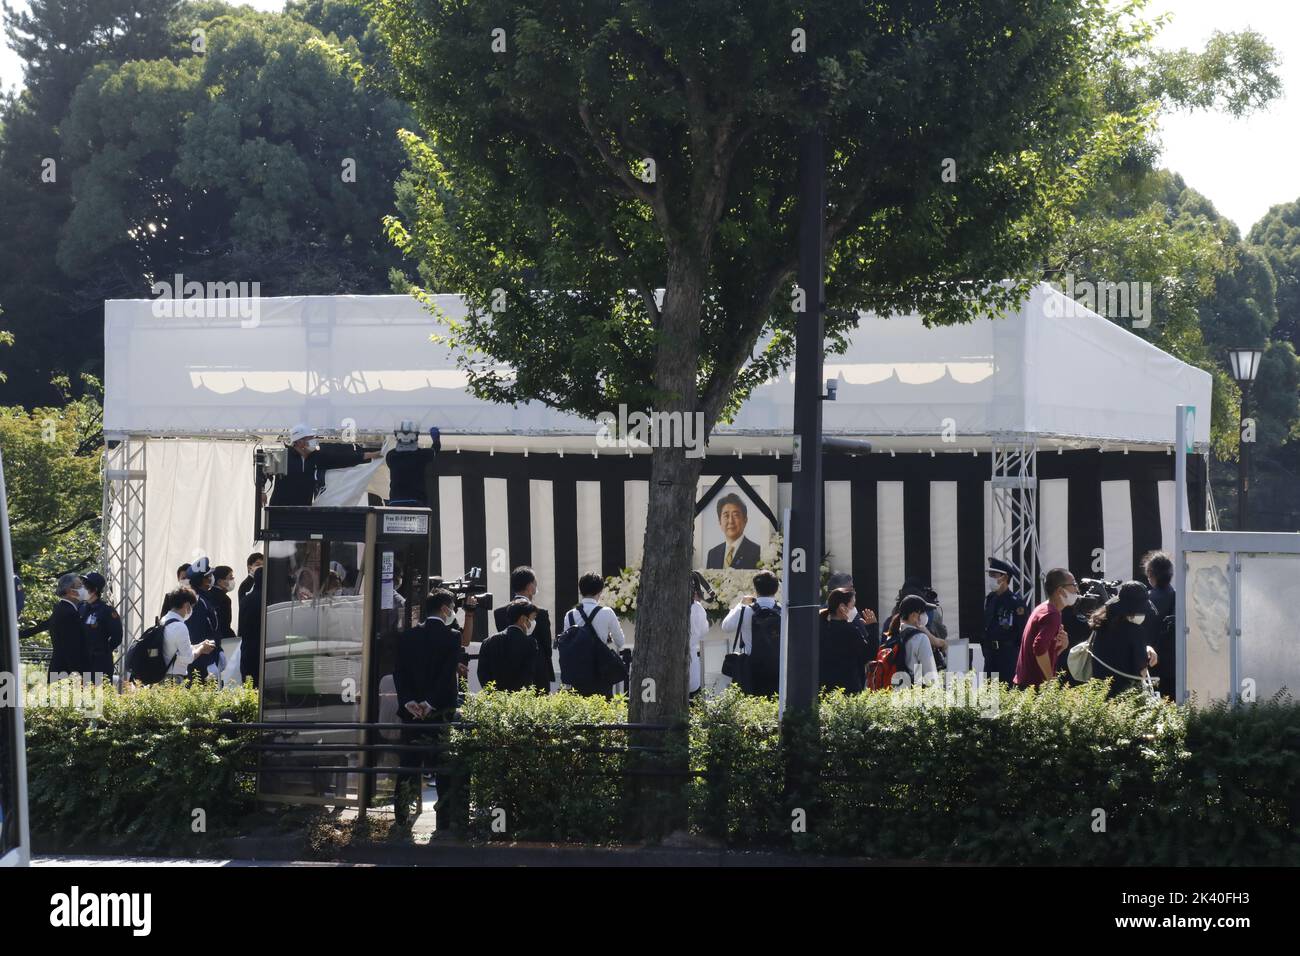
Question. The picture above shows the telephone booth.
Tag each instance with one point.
(340, 585)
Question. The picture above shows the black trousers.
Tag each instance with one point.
(431, 732)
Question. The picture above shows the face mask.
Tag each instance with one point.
(313, 445)
(1070, 598)
(530, 627)
(1137, 618)
(186, 617)
(83, 594)
(853, 615)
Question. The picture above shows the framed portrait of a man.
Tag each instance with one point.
(733, 531)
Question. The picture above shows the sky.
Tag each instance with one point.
(1244, 166)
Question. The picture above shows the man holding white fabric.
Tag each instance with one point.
(307, 463)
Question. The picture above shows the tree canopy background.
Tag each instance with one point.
(224, 163)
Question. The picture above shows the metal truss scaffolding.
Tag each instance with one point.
(124, 474)
(1013, 518)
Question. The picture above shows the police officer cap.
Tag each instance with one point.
(998, 566)
(94, 581)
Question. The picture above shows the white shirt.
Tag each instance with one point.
(919, 655)
(734, 618)
(699, 628)
(604, 621)
(176, 642)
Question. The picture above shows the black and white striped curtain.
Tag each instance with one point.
(888, 517)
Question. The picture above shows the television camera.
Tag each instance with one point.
(472, 582)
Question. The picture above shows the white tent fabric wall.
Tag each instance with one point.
(199, 501)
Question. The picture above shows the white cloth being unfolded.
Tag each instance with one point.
(347, 487)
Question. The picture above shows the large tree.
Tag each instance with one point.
(229, 168)
(52, 476)
(1278, 236)
(234, 168)
(59, 42)
(582, 155)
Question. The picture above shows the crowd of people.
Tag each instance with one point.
(195, 621)
(1128, 628)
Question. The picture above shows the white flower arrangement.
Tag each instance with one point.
(729, 584)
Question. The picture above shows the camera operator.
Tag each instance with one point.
(428, 693)
(1076, 618)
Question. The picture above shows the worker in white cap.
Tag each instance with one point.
(307, 464)
(407, 465)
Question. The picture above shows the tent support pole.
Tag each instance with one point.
(123, 534)
(1014, 514)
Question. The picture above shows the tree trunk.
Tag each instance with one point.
(658, 686)
(664, 595)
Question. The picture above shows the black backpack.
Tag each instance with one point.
(765, 650)
(587, 663)
(145, 662)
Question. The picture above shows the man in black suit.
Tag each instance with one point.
(523, 584)
(67, 639)
(507, 659)
(736, 551)
(428, 692)
(255, 561)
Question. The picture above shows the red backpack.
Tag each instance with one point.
(889, 661)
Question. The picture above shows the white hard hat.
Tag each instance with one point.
(300, 431)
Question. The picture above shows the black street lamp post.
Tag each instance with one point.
(1245, 367)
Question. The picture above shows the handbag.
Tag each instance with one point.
(1079, 660)
(1080, 664)
(739, 666)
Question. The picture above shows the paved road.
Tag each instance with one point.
(119, 861)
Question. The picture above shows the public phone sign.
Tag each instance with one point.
(406, 524)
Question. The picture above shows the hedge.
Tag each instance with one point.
(1060, 775)
(135, 774)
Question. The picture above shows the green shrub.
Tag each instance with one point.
(1057, 775)
(1031, 778)
(1237, 797)
(736, 751)
(540, 760)
(136, 774)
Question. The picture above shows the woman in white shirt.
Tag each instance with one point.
(177, 607)
(699, 628)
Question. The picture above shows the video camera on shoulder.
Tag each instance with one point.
(1096, 587)
(1093, 593)
(472, 582)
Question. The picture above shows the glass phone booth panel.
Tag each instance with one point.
(340, 585)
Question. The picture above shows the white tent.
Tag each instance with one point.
(189, 397)
(1052, 370)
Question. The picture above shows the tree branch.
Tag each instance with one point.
(638, 190)
(720, 383)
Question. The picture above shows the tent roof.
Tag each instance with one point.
(1052, 370)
